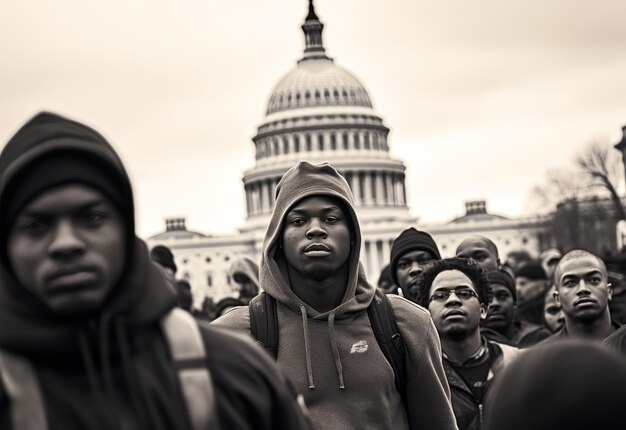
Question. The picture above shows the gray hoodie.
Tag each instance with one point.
(333, 357)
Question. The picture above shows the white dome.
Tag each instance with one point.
(318, 82)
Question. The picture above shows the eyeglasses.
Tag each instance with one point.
(461, 292)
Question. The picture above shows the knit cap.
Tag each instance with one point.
(411, 239)
(163, 255)
(531, 270)
(502, 277)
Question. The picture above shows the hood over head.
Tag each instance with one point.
(49, 151)
(301, 181)
(245, 266)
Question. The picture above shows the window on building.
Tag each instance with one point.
(209, 280)
(345, 140)
(296, 143)
(357, 141)
(285, 146)
(366, 144)
(320, 142)
(308, 142)
(333, 142)
(208, 259)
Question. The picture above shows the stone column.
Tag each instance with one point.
(389, 184)
(367, 183)
(380, 191)
(356, 188)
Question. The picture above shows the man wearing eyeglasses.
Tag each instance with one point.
(456, 292)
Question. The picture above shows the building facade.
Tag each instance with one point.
(321, 112)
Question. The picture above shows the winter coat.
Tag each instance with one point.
(333, 357)
(467, 410)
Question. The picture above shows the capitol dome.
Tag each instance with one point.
(318, 82)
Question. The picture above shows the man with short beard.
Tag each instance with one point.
(583, 291)
(456, 292)
(412, 251)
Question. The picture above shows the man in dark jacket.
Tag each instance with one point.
(412, 251)
(456, 292)
(90, 336)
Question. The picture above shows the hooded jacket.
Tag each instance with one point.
(333, 357)
(113, 369)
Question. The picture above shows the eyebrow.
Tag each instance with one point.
(570, 275)
(324, 209)
(43, 213)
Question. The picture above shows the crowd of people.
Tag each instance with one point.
(96, 332)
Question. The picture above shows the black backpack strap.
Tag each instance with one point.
(383, 321)
(264, 322)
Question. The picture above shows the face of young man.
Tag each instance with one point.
(68, 247)
(480, 251)
(582, 288)
(409, 267)
(553, 313)
(454, 316)
(316, 237)
(528, 289)
(501, 310)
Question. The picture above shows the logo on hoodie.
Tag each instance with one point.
(359, 347)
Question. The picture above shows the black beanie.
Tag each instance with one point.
(502, 277)
(411, 240)
(59, 169)
(531, 270)
(163, 255)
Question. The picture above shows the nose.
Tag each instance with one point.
(316, 230)
(453, 299)
(583, 288)
(416, 269)
(66, 242)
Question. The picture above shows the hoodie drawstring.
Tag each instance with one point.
(307, 350)
(333, 344)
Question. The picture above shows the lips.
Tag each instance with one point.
(454, 313)
(584, 301)
(71, 278)
(496, 316)
(317, 250)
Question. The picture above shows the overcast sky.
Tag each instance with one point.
(481, 97)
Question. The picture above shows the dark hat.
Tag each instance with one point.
(163, 255)
(502, 277)
(411, 239)
(531, 270)
(225, 304)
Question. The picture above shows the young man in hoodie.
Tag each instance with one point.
(310, 267)
(412, 251)
(456, 292)
(90, 336)
(245, 273)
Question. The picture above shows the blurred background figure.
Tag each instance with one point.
(549, 259)
(385, 282)
(482, 250)
(226, 304)
(515, 259)
(164, 257)
(501, 325)
(552, 312)
(573, 385)
(531, 284)
(245, 273)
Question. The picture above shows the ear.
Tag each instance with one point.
(483, 312)
(610, 292)
(556, 296)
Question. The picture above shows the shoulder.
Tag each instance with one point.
(236, 318)
(406, 310)
(509, 353)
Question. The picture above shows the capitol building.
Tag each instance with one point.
(320, 112)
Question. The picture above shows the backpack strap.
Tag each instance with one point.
(264, 322)
(383, 321)
(188, 353)
(22, 387)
